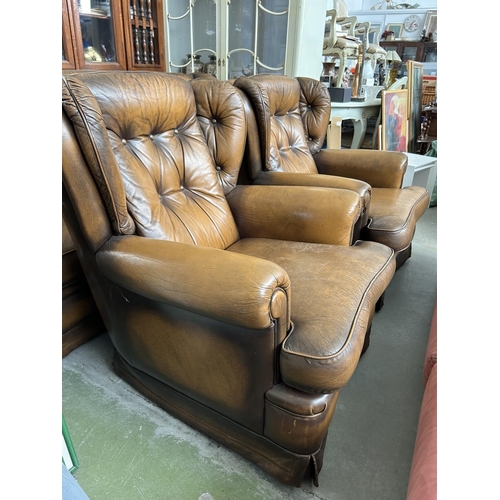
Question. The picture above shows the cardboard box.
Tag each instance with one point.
(340, 94)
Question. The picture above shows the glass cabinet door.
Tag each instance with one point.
(98, 28)
(430, 53)
(192, 30)
(242, 37)
(409, 53)
(256, 36)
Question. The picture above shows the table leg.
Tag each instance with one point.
(359, 132)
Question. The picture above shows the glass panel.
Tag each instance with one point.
(203, 16)
(271, 47)
(390, 47)
(179, 31)
(97, 30)
(205, 30)
(409, 54)
(241, 35)
(430, 54)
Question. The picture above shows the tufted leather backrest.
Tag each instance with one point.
(292, 116)
(315, 109)
(142, 140)
(220, 115)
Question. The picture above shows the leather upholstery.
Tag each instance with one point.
(290, 132)
(291, 112)
(80, 318)
(240, 309)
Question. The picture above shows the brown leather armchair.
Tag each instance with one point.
(241, 310)
(287, 122)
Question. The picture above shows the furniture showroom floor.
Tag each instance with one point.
(129, 449)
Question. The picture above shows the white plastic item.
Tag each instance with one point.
(368, 77)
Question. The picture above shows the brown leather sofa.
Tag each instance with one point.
(287, 123)
(81, 320)
(240, 309)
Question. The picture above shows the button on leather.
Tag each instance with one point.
(152, 137)
(124, 141)
(176, 131)
(214, 120)
(217, 168)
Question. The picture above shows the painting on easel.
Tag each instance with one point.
(395, 120)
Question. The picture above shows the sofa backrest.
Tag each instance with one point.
(141, 138)
(291, 115)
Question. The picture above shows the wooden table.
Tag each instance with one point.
(358, 112)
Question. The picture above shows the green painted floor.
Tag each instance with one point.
(129, 449)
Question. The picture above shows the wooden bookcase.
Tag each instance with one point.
(113, 34)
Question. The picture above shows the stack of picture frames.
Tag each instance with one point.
(402, 112)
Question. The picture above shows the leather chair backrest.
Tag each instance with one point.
(219, 108)
(292, 116)
(149, 156)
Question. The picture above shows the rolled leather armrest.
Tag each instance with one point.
(275, 178)
(380, 169)
(226, 286)
(296, 213)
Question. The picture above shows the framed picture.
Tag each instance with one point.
(396, 27)
(430, 23)
(395, 120)
(415, 83)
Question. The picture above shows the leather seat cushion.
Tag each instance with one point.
(394, 214)
(326, 296)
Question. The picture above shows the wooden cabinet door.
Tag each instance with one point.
(99, 34)
(93, 29)
(68, 43)
(144, 34)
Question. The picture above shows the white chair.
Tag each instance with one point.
(374, 51)
(340, 42)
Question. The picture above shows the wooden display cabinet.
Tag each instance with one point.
(113, 34)
(413, 51)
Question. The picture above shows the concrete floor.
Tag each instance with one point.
(129, 449)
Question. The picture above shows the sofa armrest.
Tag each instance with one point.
(296, 213)
(226, 286)
(380, 169)
(277, 178)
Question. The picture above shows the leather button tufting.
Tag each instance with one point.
(124, 141)
(214, 120)
(152, 137)
(217, 168)
(176, 131)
